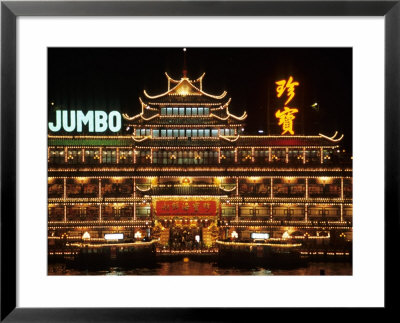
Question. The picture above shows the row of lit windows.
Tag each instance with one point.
(92, 213)
(198, 111)
(185, 132)
(243, 156)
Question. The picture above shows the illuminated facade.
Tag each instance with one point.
(187, 174)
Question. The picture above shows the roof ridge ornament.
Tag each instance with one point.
(189, 86)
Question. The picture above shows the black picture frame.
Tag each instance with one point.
(11, 10)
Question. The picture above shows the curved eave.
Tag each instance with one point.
(333, 138)
(141, 115)
(223, 106)
(196, 89)
(229, 115)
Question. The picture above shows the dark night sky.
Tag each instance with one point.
(114, 78)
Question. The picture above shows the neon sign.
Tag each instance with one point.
(286, 116)
(186, 207)
(95, 121)
(288, 86)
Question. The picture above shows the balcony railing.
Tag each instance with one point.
(187, 191)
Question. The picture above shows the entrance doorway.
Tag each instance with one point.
(185, 237)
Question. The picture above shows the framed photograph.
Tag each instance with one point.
(199, 158)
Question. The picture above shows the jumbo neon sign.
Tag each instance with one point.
(95, 121)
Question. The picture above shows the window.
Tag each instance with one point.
(181, 132)
(125, 156)
(194, 111)
(156, 133)
(206, 111)
(74, 156)
(163, 111)
(175, 111)
(188, 111)
(175, 133)
(194, 133)
(163, 133)
(169, 111)
(169, 133)
(188, 133)
(214, 133)
(201, 133)
(109, 157)
(200, 111)
(206, 132)
(92, 156)
(181, 111)
(56, 157)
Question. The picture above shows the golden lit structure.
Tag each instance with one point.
(184, 173)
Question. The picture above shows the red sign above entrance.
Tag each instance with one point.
(186, 207)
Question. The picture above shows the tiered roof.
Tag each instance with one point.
(185, 93)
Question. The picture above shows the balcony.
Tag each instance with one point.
(187, 190)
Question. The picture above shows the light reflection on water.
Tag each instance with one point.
(197, 268)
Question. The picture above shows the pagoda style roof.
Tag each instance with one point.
(184, 93)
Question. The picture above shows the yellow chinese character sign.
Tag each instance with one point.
(286, 118)
(288, 86)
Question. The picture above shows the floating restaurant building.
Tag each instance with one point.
(187, 175)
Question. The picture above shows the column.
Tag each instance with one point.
(117, 155)
(66, 155)
(287, 155)
(341, 212)
(236, 152)
(272, 187)
(306, 188)
(83, 155)
(237, 197)
(134, 199)
(237, 212)
(100, 215)
(252, 154)
(306, 212)
(134, 156)
(304, 155)
(322, 155)
(101, 155)
(65, 198)
(341, 188)
(219, 155)
(269, 154)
